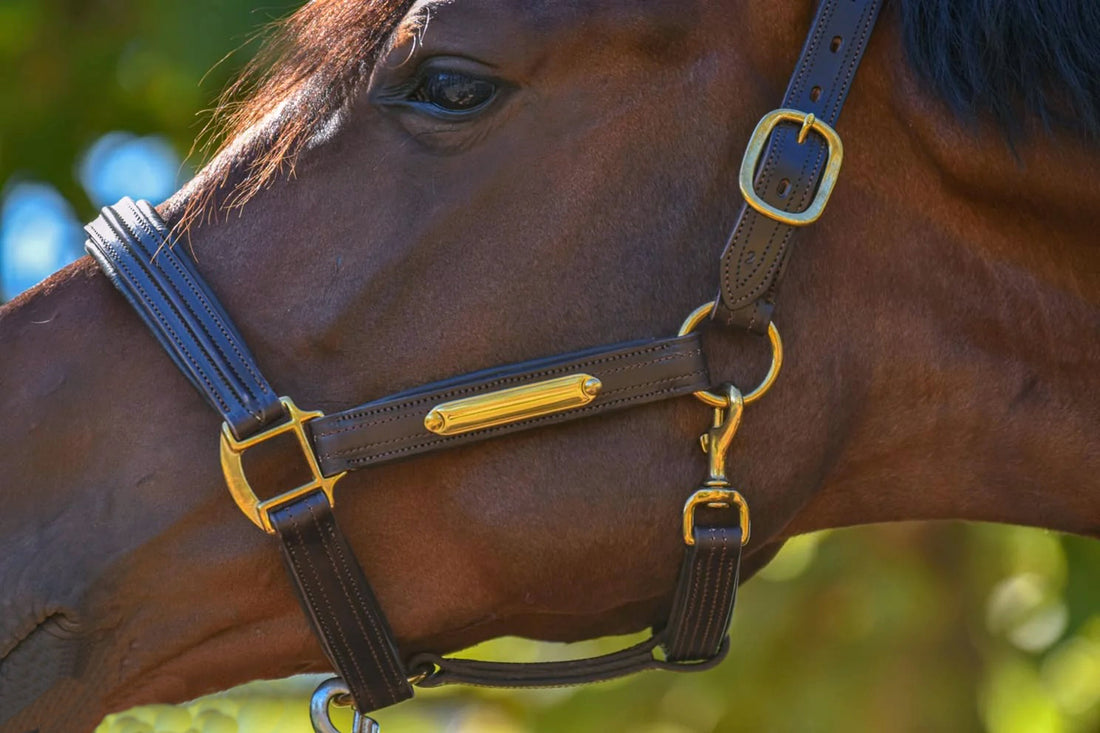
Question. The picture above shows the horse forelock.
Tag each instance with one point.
(308, 66)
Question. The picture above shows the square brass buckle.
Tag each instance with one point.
(755, 149)
(232, 451)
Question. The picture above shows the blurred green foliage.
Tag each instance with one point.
(76, 69)
(946, 627)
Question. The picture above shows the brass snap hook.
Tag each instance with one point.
(716, 491)
(716, 441)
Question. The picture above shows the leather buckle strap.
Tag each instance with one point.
(787, 179)
(338, 601)
(232, 453)
(131, 244)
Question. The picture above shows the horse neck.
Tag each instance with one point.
(968, 287)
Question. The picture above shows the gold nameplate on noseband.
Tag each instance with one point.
(513, 404)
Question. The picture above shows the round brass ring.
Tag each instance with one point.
(713, 399)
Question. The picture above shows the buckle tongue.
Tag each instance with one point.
(232, 451)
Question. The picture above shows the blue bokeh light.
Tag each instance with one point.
(123, 164)
(39, 231)
(39, 234)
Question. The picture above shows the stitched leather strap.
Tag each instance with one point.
(393, 428)
(339, 603)
(705, 594)
(131, 244)
(788, 174)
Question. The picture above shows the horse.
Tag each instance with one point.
(410, 190)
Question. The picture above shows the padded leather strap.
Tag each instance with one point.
(788, 174)
(132, 246)
(393, 427)
(705, 594)
(339, 603)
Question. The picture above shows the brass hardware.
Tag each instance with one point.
(719, 499)
(718, 439)
(232, 451)
(716, 491)
(755, 149)
(512, 405)
(712, 399)
(807, 125)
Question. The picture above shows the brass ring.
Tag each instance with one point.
(713, 399)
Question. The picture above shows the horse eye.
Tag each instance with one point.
(453, 91)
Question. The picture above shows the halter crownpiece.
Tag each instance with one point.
(787, 176)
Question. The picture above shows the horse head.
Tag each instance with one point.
(418, 190)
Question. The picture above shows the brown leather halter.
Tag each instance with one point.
(787, 175)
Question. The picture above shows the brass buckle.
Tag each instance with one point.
(755, 149)
(718, 499)
(232, 451)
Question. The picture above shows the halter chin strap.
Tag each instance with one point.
(786, 179)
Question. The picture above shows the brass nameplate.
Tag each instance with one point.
(513, 404)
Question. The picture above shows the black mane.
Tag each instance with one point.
(1011, 60)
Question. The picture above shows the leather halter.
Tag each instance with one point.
(787, 176)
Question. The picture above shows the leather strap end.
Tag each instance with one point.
(339, 603)
(705, 595)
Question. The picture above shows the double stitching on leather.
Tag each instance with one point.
(549, 419)
(395, 402)
(338, 560)
(341, 655)
(339, 602)
(131, 245)
(393, 428)
(757, 252)
(702, 608)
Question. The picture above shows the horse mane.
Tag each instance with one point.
(307, 68)
(1009, 60)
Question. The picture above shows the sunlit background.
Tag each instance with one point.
(945, 627)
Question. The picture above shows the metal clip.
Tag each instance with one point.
(335, 691)
(716, 491)
(716, 441)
